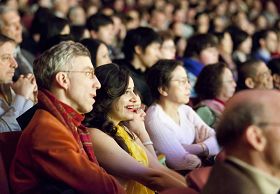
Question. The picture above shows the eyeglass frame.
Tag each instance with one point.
(88, 73)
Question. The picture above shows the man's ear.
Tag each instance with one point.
(138, 50)
(249, 82)
(276, 77)
(254, 136)
(93, 34)
(162, 91)
(62, 80)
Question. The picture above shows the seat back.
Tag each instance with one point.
(197, 178)
(8, 144)
(186, 190)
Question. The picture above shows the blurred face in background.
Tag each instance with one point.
(227, 44)
(168, 49)
(11, 26)
(209, 55)
(102, 55)
(246, 46)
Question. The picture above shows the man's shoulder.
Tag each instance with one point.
(227, 177)
(43, 122)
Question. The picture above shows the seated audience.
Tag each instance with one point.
(254, 74)
(15, 97)
(249, 134)
(274, 66)
(225, 48)
(201, 50)
(167, 48)
(98, 50)
(242, 45)
(214, 86)
(11, 27)
(141, 48)
(175, 129)
(54, 153)
(124, 155)
(264, 44)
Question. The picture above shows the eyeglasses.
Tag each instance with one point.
(181, 82)
(264, 75)
(229, 81)
(268, 123)
(90, 73)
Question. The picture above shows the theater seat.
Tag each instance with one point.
(197, 178)
(8, 143)
(179, 191)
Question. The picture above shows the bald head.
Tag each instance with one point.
(246, 108)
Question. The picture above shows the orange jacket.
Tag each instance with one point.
(47, 150)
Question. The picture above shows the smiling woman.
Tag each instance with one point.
(124, 155)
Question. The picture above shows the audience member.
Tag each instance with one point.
(17, 97)
(101, 27)
(54, 147)
(248, 132)
(201, 50)
(175, 129)
(264, 44)
(11, 27)
(133, 164)
(274, 66)
(98, 50)
(225, 48)
(167, 48)
(254, 74)
(141, 49)
(242, 45)
(214, 87)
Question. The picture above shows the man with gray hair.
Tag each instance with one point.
(55, 153)
(249, 132)
(11, 27)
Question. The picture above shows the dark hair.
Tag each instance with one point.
(54, 40)
(4, 39)
(78, 31)
(114, 81)
(245, 70)
(166, 35)
(238, 37)
(55, 26)
(209, 81)
(219, 35)
(98, 20)
(142, 37)
(198, 43)
(274, 65)
(159, 75)
(92, 45)
(235, 120)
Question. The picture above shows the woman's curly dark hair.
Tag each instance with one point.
(209, 81)
(114, 82)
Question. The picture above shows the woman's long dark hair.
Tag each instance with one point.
(114, 82)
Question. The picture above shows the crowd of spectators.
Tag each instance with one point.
(181, 61)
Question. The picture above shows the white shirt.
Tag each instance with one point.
(168, 137)
(9, 113)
